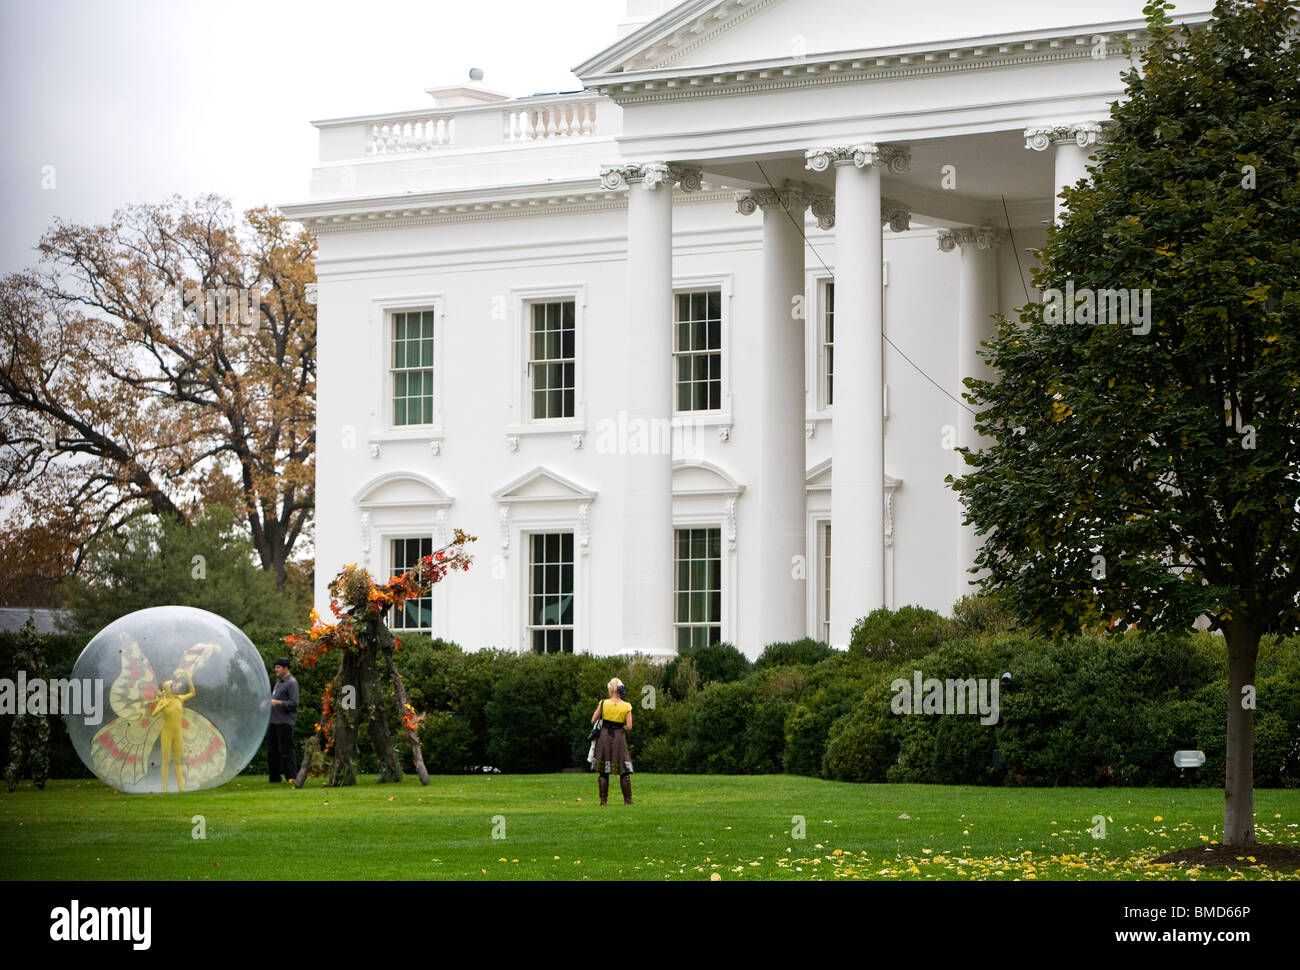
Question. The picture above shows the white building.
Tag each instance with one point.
(626, 336)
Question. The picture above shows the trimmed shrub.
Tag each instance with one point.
(716, 663)
(911, 631)
(716, 729)
(805, 651)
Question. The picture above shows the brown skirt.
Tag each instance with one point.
(611, 749)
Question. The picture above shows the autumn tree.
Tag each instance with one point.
(166, 360)
(1144, 455)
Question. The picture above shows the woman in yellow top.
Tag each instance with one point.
(611, 746)
(172, 707)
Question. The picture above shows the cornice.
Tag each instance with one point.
(913, 60)
(352, 215)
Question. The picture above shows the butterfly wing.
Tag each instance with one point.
(203, 749)
(195, 657)
(120, 751)
(136, 688)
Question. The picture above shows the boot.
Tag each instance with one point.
(602, 783)
(626, 782)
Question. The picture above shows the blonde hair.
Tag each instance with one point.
(614, 685)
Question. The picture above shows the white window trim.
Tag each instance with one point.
(816, 408)
(821, 610)
(730, 588)
(581, 608)
(688, 284)
(521, 298)
(814, 345)
(411, 529)
(381, 320)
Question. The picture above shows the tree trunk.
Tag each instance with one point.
(373, 702)
(343, 768)
(308, 752)
(1239, 778)
(399, 691)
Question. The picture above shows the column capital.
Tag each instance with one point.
(981, 237)
(794, 197)
(895, 214)
(651, 175)
(1085, 134)
(893, 157)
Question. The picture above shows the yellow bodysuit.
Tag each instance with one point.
(172, 707)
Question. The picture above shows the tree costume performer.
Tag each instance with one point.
(29, 740)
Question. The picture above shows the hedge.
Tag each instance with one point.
(1083, 711)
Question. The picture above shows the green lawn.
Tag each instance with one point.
(682, 827)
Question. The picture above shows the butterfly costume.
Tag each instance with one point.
(148, 713)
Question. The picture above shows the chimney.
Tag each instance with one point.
(460, 95)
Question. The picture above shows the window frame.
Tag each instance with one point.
(382, 312)
(523, 298)
(394, 371)
(532, 362)
(823, 573)
(723, 578)
(390, 562)
(526, 537)
(694, 284)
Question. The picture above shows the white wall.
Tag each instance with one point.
(475, 267)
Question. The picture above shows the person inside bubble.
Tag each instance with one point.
(171, 704)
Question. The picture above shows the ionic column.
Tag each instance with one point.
(977, 303)
(648, 396)
(857, 425)
(782, 495)
(1073, 145)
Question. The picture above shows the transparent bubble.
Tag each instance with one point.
(171, 680)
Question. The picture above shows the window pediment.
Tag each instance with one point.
(401, 489)
(542, 485)
(703, 478)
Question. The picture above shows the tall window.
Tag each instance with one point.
(698, 561)
(825, 592)
(551, 359)
(828, 342)
(698, 349)
(412, 370)
(415, 614)
(550, 592)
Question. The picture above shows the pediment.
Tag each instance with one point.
(703, 478)
(708, 33)
(818, 478)
(401, 489)
(542, 485)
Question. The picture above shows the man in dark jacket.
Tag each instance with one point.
(279, 734)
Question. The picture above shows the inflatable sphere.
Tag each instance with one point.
(183, 701)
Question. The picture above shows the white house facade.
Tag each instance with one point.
(685, 348)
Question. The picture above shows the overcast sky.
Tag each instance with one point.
(133, 100)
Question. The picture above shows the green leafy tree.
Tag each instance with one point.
(208, 563)
(1144, 469)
